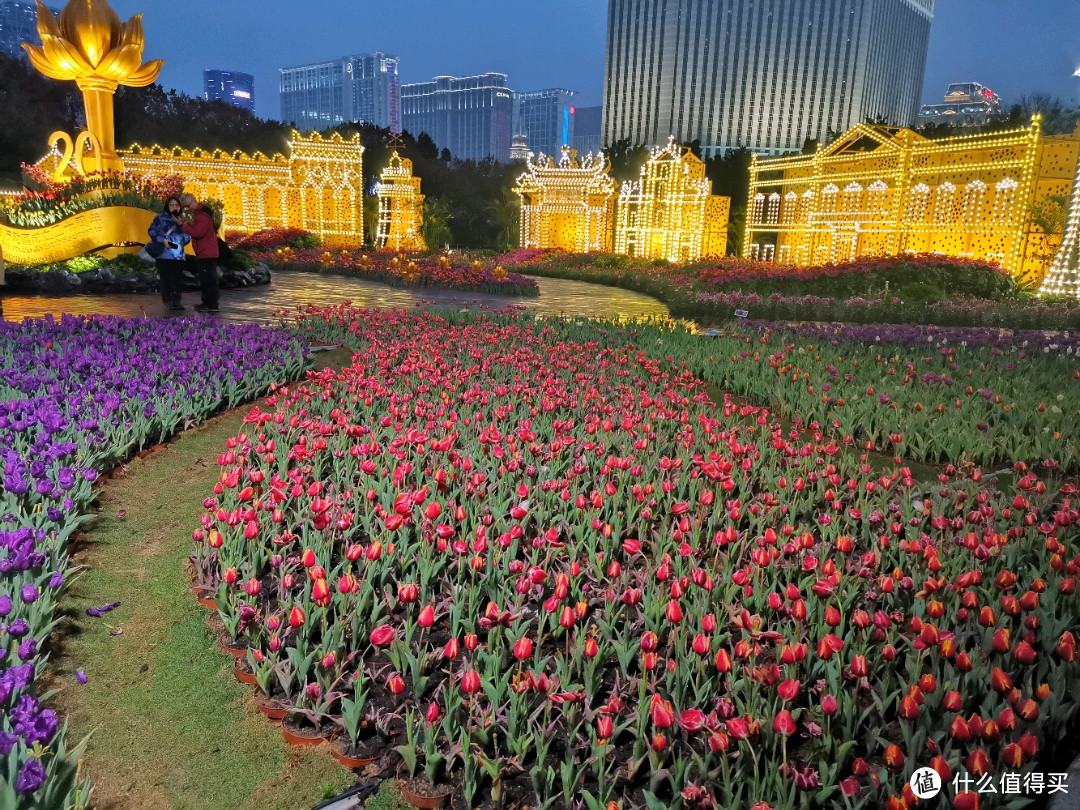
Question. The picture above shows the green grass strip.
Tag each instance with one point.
(171, 726)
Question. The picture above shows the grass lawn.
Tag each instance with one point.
(171, 726)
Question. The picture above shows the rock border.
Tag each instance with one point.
(56, 280)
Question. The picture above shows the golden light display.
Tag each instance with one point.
(882, 191)
(670, 213)
(568, 205)
(401, 207)
(318, 187)
(1063, 277)
(90, 46)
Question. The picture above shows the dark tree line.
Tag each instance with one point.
(31, 107)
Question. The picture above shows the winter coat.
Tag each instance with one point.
(163, 229)
(202, 232)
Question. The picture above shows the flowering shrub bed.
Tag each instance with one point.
(452, 272)
(76, 396)
(271, 238)
(54, 201)
(931, 395)
(911, 289)
(538, 559)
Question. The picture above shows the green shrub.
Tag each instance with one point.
(127, 263)
(83, 263)
(305, 242)
(242, 259)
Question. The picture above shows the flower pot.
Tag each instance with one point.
(268, 706)
(340, 743)
(228, 645)
(200, 594)
(415, 791)
(243, 675)
(296, 734)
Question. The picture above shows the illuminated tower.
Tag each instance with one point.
(401, 207)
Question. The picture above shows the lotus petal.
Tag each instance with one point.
(65, 56)
(132, 32)
(41, 62)
(120, 63)
(47, 24)
(145, 75)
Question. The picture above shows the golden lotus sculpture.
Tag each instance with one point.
(91, 47)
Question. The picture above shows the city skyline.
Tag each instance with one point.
(970, 40)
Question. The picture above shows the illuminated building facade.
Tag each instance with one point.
(567, 205)
(232, 87)
(546, 118)
(879, 191)
(318, 187)
(1063, 277)
(18, 24)
(765, 74)
(671, 213)
(401, 207)
(366, 87)
(470, 116)
(964, 104)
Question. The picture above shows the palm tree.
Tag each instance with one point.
(507, 213)
(436, 228)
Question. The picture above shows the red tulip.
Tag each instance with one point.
(605, 727)
(432, 713)
(252, 587)
(1000, 680)
(523, 648)
(471, 641)
(832, 616)
(784, 723)
(591, 648)
(966, 800)
(659, 743)
(470, 682)
(1024, 653)
(230, 576)
(738, 728)
(1001, 640)
(692, 720)
(452, 650)
(858, 666)
(663, 716)
(978, 762)
(674, 612)
(953, 701)
(701, 644)
(909, 709)
(829, 705)
(296, 617)
(396, 684)
(307, 559)
(927, 683)
(723, 661)
(940, 765)
(894, 758)
(649, 642)
(382, 636)
(427, 616)
(1029, 744)
(1066, 647)
(566, 618)
(788, 689)
(320, 592)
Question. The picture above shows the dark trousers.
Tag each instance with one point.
(208, 281)
(171, 273)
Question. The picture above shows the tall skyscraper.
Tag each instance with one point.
(230, 86)
(765, 74)
(352, 88)
(587, 130)
(546, 118)
(18, 24)
(471, 116)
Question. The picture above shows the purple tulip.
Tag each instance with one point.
(28, 648)
(31, 776)
(80, 676)
(5, 604)
(56, 580)
(29, 593)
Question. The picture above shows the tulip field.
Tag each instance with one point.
(77, 396)
(540, 562)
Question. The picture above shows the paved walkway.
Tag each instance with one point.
(289, 289)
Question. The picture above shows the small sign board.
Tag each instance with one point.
(741, 313)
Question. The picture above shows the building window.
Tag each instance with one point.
(1004, 200)
(974, 195)
(918, 203)
(945, 204)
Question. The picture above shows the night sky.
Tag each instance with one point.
(1011, 46)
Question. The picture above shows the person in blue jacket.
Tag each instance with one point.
(170, 263)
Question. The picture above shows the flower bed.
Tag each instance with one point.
(911, 289)
(451, 272)
(77, 396)
(931, 395)
(540, 561)
(54, 201)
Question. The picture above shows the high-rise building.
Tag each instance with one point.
(471, 116)
(764, 74)
(18, 24)
(230, 86)
(546, 117)
(352, 88)
(587, 130)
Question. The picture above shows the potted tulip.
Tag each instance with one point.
(422, 791)
(360, 740)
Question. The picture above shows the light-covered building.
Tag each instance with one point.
(471, 116)
(546, 118)
(764, 74)
(230, 86)
(18, 24)
(365, 88)
(964, 104)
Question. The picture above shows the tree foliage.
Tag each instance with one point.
(31, 108)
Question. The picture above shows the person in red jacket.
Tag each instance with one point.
(204, 241)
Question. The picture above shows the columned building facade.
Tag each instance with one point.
(346, 90)
(470, 116)
(764, 74)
